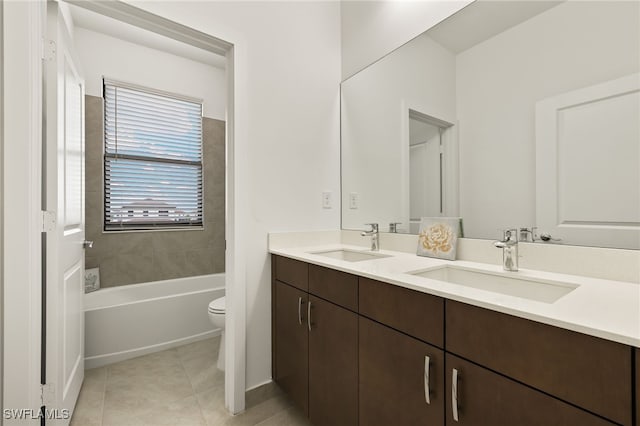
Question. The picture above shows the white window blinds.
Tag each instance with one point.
(152, 159)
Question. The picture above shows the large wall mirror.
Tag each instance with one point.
(509, 114)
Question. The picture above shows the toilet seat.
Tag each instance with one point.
(217, 306)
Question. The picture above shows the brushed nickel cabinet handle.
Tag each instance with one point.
(300, 310)
(427, 362)
(309, 315)
(454, 394)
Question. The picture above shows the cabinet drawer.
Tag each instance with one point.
(592, 373)
(292, 272)
(486, 398)
(418, 314)
(335, 286)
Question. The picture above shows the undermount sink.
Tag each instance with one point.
(350, 255)
(508, 283)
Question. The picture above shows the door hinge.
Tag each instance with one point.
(48, 220)
(48, 394)
(48, 50)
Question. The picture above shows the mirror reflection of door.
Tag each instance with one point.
(426, 168)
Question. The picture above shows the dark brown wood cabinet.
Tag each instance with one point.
(333, 364)
(292, 272)
(291, 352)
(483, 397)
(592, 373)
(401, 378)
(315, 343)
(335, 286)
(637, 390)
(417, 314)
(350, 350)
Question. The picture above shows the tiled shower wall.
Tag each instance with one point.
(144, 256)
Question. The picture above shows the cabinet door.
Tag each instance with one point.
(486, 398)
(291, 350)
(333, 364)
(395, 376)
(592, 373)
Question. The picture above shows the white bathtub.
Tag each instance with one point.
(132, 320)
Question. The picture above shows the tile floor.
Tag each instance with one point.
(177, 387)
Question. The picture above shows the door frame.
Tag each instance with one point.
(450, 166)
(26, 25)
(22, 221)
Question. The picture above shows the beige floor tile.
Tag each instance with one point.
(185, 412)
(137, 385)
(199, 360)
(289, 417)
(144, 365)
(88, 409)
(178, 387)
(260, 412)
(212, 405)
(202, 348)
(203, 373)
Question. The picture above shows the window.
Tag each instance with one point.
(152, 159)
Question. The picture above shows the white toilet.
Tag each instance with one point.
(216, 315)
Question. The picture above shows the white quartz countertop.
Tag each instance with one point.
(597, 307)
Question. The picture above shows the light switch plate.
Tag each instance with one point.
(326, 200)
(353, 200)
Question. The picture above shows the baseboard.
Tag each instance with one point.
(106, 359)
(261, 393)
(265, 383)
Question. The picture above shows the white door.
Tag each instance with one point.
(588, 165)
(65, 198)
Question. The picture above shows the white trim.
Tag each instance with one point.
(101, 360)
(157, 24)
(449, 185)
(1, 201)
(235, 254)
(22, 140)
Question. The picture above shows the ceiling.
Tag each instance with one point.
(484, 19)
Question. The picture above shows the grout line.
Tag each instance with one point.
(193, 389)
(104, 393)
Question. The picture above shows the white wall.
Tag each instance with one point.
(375, 128)
(500, 80)
(102, 55)
(291, 139)
(372, 29)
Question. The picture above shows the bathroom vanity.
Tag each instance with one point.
(363, 342)
(389, 338)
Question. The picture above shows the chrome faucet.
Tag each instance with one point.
(375, 236)
(509, 246)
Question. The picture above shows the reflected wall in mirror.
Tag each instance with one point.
(489, 89)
